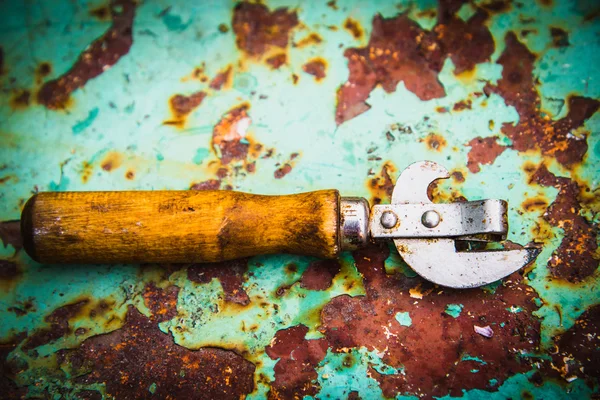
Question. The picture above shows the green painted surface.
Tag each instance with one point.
(123, 111)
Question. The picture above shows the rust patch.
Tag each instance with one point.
(560, 37)
(182, 106)
(578, 349)
(282, 171)
(223, 28)
(310, 40)
(535, 204)
(534, 130)
(332, 4)
(229, 135)
(369, 321)
(319, 274)
(458, 176)
(277, 60)
(133, 358)
(20, 99)
(130, 175)
(315, 67)
(381, 185)
(353, 26)
(112, 161)
(9, 370)
(229, 273)
(400, 50)
(103, 53)
(161, 302)
(221, 78)
(462, 105)
(295, 373)
(9, 272)
(102, 13)
(576, 257)
(484, 151)
(42, 71)
(10, 234)
(257, 29)
(434, 142)
(211, 184)
(59, 326)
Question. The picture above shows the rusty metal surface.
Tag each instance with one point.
(283, 97)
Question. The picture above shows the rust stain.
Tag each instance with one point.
(297, 357)
(130, 175)
(103, 53)
(535, 204)
(161, 302)
(181, 106)
(10, 369)
(316, 67)
(86, 171)
(462, 105)
(42, 71)
(259, 29)
(576, 257)
(353, 26)
(319, 274)
(20, 99)
(211, 184)
(295, 79)
(112, 161)
(312, 39)
(139, 355)
(102, 13)
(277, 60)
(229, 273)
(229, 135)
(332, 4)
(221, 79)
(577, 351)
(534, 130)
(282, 171)
(560, 37)
(58, 324)
(369, 321)
(381, 185)
(10, 234)
(400, 50)
(434, 142)
(458, 176)
(484, 151)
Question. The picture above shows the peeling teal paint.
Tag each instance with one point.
(454, 310)
(403, 318)
(82, 125)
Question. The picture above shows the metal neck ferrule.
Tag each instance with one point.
(354, 222)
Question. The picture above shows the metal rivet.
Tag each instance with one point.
(389, 219)
(430, 219)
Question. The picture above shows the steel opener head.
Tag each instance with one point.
(425, 233)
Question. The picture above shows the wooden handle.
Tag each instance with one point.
(178, 226)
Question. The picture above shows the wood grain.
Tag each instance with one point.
(178, 226)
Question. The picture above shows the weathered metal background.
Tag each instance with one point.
(284, 97)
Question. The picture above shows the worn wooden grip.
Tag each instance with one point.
(178, 226)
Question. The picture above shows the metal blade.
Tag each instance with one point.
(438, 261)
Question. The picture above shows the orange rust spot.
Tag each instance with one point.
(312, 39)
(112, 161)
(130, 175)
(295, 78)
(535, 204)
(229, 132)
(42, 71)
(182, 105)
(435, 142)
(316, 67)
(467, 75)
(381, 185)
(332, 5)
(102, 13)
(353, 26)
(20, 99)
(277, 60)
(223, 28)
(222, 78)
(86, 171)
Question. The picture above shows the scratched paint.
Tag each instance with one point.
(179, 96)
